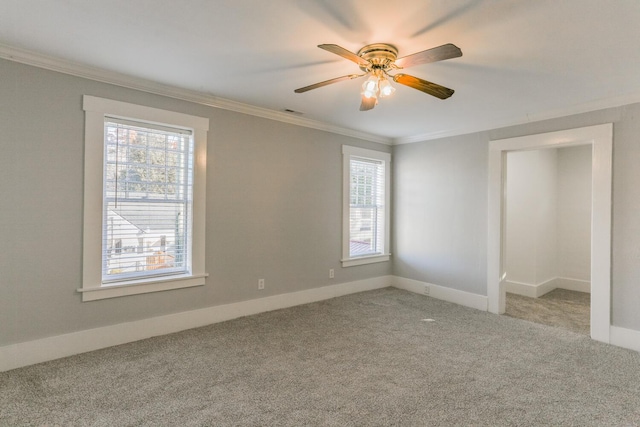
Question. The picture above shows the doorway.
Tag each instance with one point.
(600, 139)
(548, 236)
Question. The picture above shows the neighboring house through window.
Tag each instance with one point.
(366, 196)
(144, 199)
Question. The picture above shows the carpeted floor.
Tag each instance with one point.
(560, 307)
(379, 358)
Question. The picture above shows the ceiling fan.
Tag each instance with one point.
(378, 60)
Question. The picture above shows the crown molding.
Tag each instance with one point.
(92, 73)
(595, 105)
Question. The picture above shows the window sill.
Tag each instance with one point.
(142, 286)
(351, 262)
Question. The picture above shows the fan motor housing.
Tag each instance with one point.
(380, 55)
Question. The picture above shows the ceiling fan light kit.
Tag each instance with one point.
(385, 88)
(378, 60)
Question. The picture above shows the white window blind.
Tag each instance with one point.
(366, 207)
(147, 200)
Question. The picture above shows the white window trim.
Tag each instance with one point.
(95, 111)
(347, 152)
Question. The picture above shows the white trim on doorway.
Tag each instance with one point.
(601, 139)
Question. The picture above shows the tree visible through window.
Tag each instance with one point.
(148, 179)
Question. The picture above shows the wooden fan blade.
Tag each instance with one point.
(327, 82)
(338, 50)
(367, 103)
(423, 85)
(440, 53)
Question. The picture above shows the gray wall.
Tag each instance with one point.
(548, 214)
(440, 212)
(273, 208)
(574, 212)
(531, 216)
(441, 204)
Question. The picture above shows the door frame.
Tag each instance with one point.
(600, 137)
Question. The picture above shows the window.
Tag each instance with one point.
(147, 200)
(366, 196)
(144, 199)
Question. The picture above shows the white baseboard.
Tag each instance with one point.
(31, 352)
(525, 289)
(535, 291)
(626, 338)
(467, 299)
(573, 284)
(529, 289)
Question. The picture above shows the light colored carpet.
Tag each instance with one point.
(560, 307)
(364, 359)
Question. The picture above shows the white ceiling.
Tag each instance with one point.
(522, 60)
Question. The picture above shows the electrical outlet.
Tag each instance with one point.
(426, 290)
(331, 274)
(260, 283)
